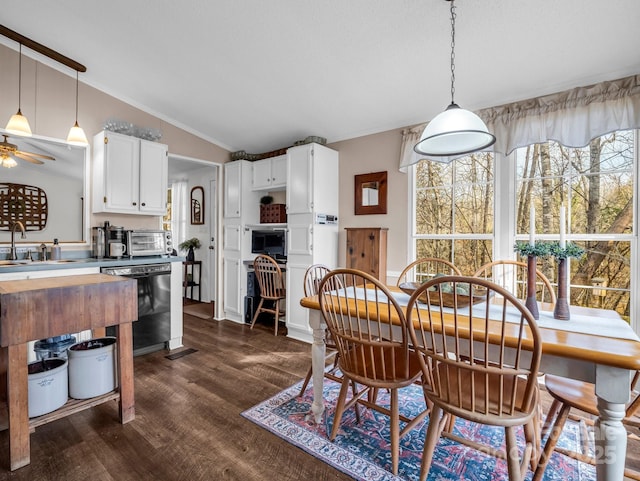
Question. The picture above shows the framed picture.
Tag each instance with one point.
(371, 193)
(197, 205)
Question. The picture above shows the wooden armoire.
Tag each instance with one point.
(367, 250)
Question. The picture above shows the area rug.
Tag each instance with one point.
(362, 450)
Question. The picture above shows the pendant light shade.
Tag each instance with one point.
(76, 134)
(455, 131)
(18, 123)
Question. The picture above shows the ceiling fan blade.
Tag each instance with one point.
(35, 156)
(21, 155)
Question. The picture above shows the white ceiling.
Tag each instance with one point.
(258, 75)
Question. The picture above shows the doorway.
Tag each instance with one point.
(185, 174)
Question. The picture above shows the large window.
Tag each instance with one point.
(454, 210)
(596, 184)
(470, 211)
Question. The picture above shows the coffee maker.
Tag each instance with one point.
(115, 242)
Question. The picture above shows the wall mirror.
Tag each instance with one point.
(197, 205)
(371, 193)
(65, 183)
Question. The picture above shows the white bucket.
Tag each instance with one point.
(47, 386)
(92, 368)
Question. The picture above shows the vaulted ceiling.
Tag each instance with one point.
(258, 75)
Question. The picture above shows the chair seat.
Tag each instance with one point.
(357, 369)
(462, 399)
(577, 394)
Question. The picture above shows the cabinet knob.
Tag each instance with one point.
(143, 204)
(135, 203)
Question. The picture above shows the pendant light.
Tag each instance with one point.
(18, 123)
(76, 134)
(455, 131)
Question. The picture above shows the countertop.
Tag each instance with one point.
(80, 262)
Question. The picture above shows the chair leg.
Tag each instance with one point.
(431, 439)
(337, 417)
(255, 316)
(550, 445)
(513, 459)
(306, 381)
(395, 431)
(277, 302)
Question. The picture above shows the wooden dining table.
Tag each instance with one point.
(607, 362)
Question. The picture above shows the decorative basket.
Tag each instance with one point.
(273, 214)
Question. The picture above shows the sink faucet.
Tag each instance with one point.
(13, 255)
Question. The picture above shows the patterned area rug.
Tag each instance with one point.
(362, 450)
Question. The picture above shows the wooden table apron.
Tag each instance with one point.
(40, 308)
(606, 362)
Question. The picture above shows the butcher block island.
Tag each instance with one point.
(40, 308)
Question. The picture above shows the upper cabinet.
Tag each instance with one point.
(130, 175)
(270, 174)
(312, 184)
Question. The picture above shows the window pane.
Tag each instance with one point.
(602, 203)
(430, 174)
(433, 211)
(438, 248)
(602, 277)
(470, 254)
(474, 209)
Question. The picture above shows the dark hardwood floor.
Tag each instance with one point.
(188, 424)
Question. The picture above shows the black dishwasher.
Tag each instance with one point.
(152, 330)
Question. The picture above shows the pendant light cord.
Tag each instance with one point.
(453, 54)
(76, 96)
(20, 78)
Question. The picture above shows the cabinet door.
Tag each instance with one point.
(279, 171)
(121, 170)
(299, 181)
(261, 174)
(153, 177)
(232, 189)
(297, 316)
(231, 278)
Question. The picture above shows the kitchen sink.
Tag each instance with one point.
(24, 262)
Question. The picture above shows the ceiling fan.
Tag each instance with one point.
(9, 152)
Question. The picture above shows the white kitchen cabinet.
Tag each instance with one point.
(270, 174)
(312, 189)
(241, 209)
(312, 180)
(130, 175)
(232, 189)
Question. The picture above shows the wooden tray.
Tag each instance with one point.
(448, 299)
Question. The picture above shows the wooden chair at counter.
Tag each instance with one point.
(370, 353)
(570, 393)
(469, 376)
(272, 288)
(427, 268)
(512, 276)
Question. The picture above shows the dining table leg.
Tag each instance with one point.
(318, 352)
(612, 389)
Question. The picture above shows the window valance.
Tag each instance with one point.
(572, 117)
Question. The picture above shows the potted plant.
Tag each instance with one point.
(189, 245)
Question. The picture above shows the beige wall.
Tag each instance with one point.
(363, 155)
(48, 102)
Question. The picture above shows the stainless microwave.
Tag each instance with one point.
(149, 243)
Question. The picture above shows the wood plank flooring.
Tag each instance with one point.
(188, 424)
